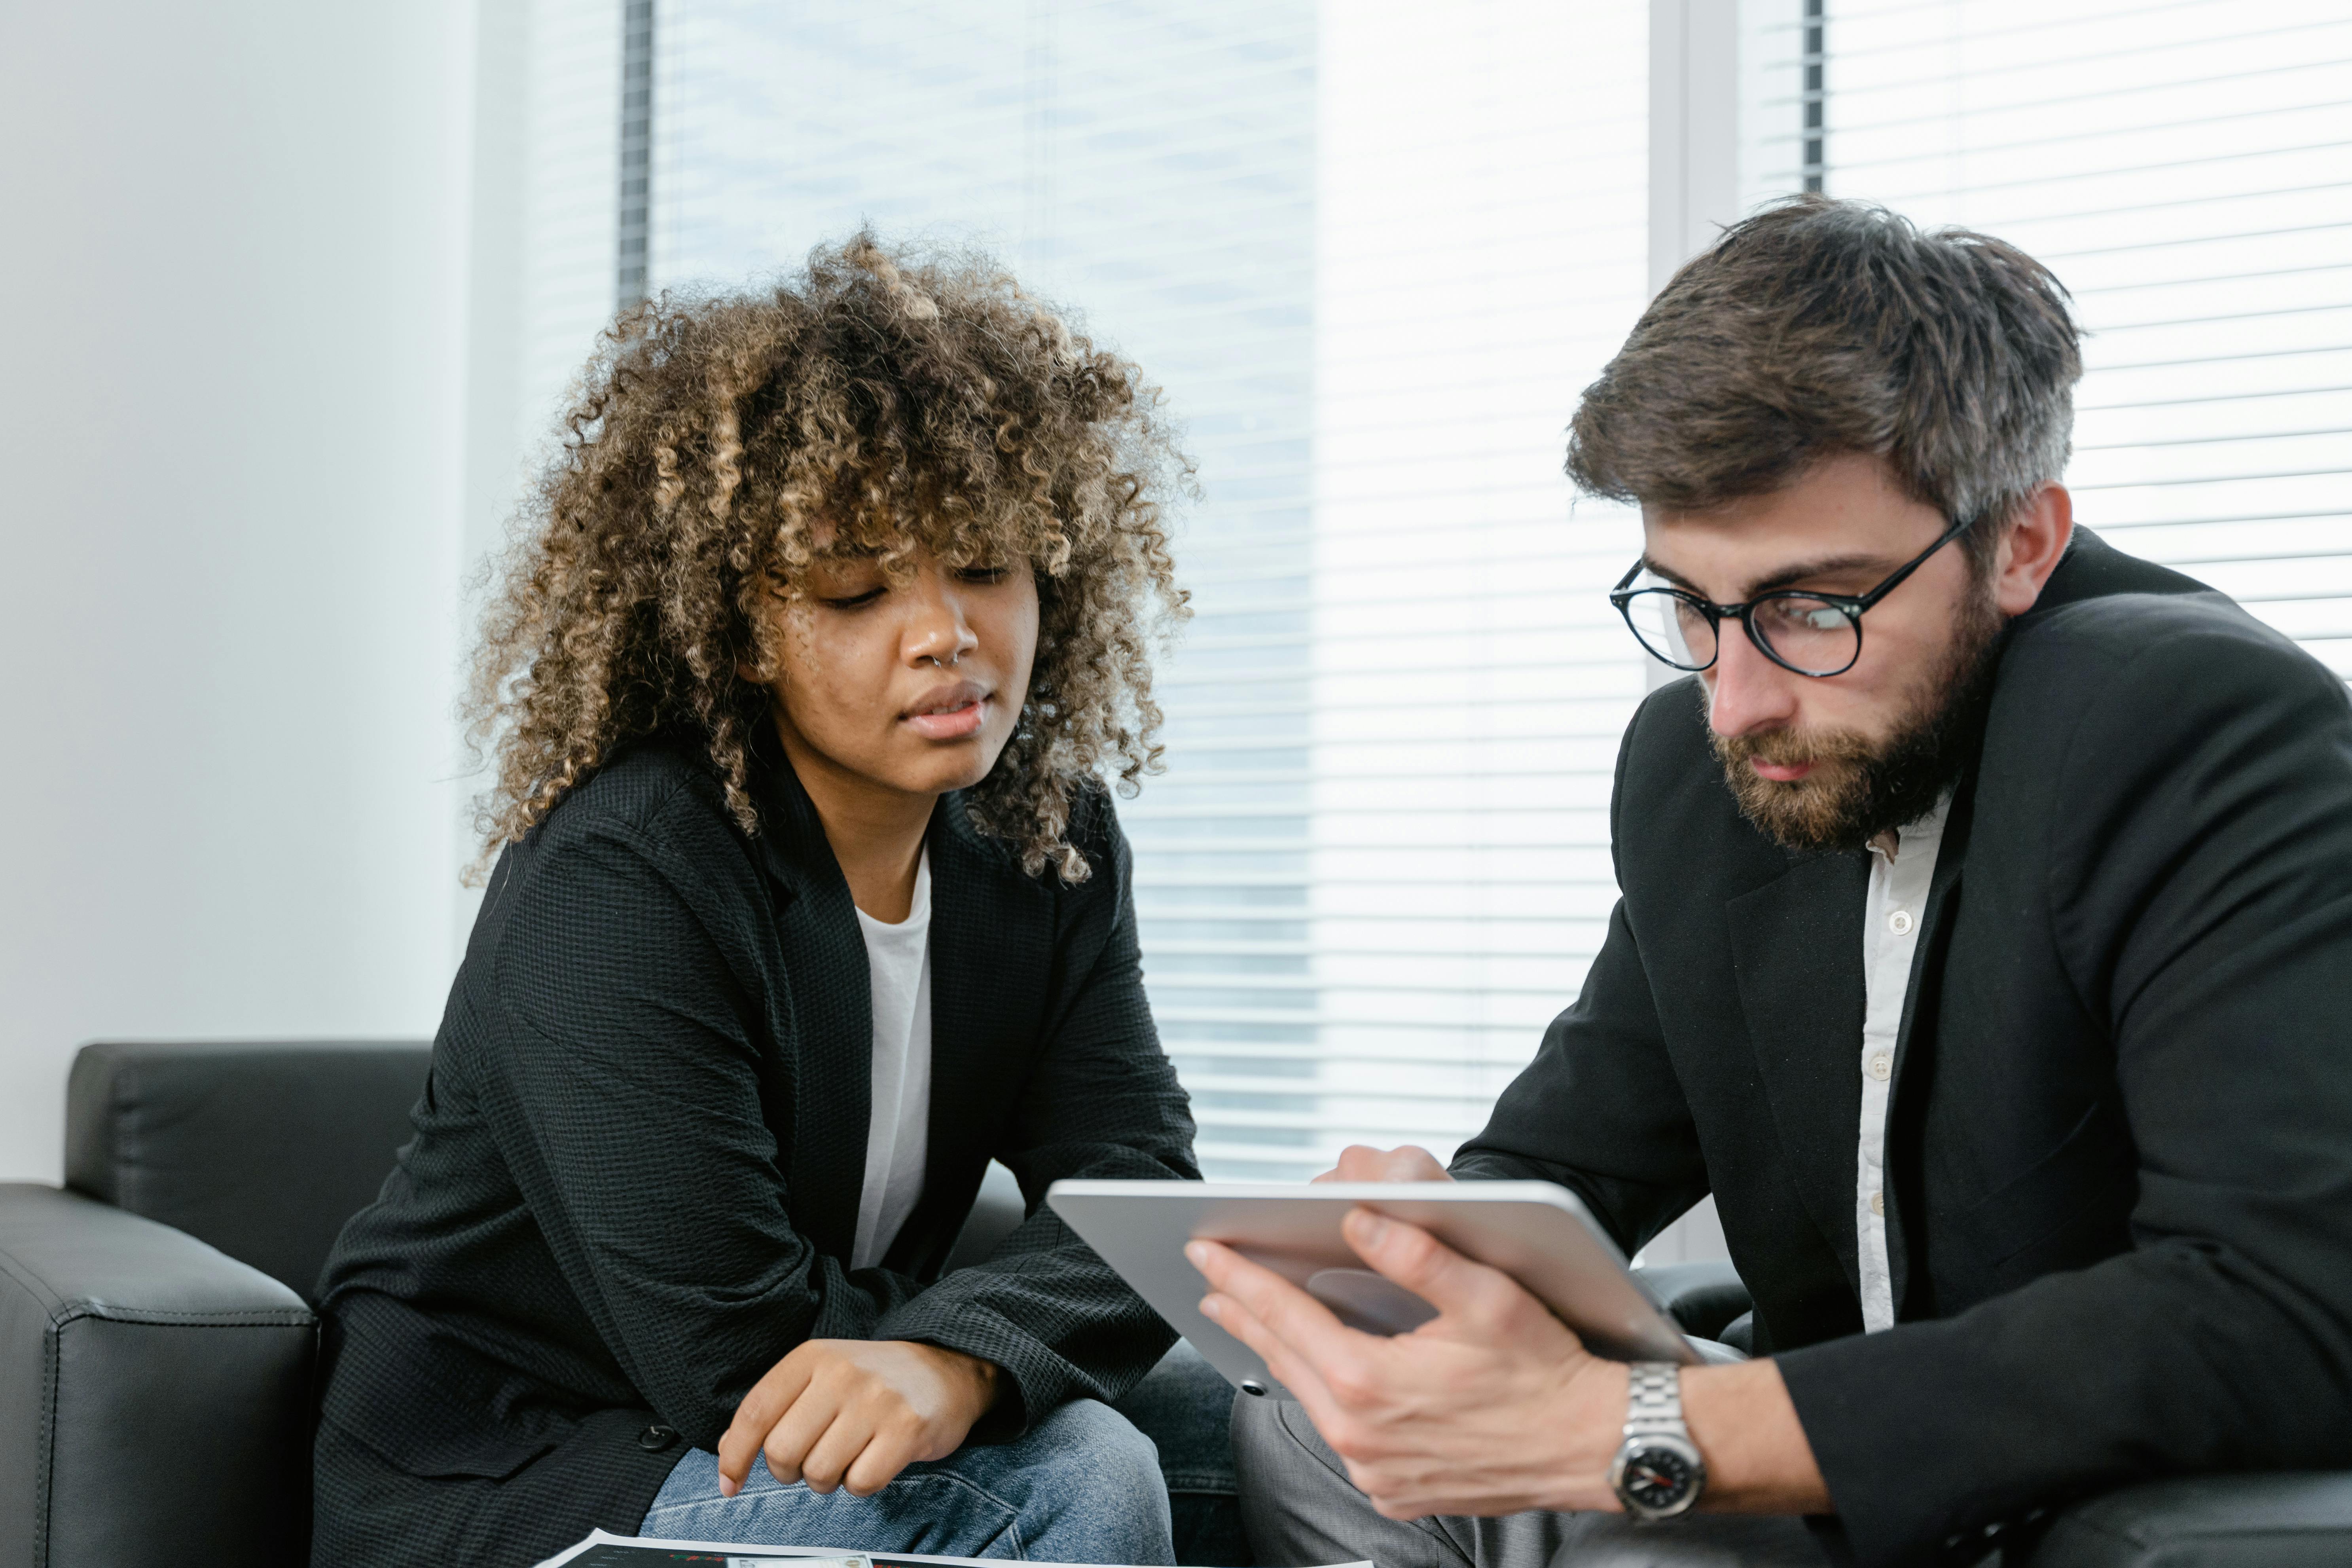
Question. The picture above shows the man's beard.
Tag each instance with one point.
(1859, 788)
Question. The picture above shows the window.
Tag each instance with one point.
(1373, 252)
(2186, 169)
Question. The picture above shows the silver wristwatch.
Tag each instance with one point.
(1658, 1472)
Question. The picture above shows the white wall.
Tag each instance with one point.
(233, 257)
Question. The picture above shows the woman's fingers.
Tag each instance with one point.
(747, 1435)
(829, 1458)
(847, 1396)
(890, 1450)
(796, 1433)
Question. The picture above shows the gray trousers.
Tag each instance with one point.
(1300, 1508)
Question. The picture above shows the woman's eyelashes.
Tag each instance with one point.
(858, 598)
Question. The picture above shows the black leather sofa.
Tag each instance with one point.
(156, 1348)
(156, 1338)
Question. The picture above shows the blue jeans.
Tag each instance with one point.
(1080, 1486)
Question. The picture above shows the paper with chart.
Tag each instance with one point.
(601, 1549)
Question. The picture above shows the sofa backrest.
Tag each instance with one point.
(262, 1148)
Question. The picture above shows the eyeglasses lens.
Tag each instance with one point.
(1810, 634)
(1671, 629)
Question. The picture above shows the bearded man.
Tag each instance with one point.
(1985, 948)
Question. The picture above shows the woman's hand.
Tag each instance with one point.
(853, 1413)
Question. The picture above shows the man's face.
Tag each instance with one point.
(1828, 762)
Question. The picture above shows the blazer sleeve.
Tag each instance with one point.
(1599, 1109)
(1101, 1101)
(2199, 888)
(626, 1092)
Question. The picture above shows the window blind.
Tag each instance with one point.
(1371, 252)
(2186, 169)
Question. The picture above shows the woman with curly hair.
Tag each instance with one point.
(808, 901)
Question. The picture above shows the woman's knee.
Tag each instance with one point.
(1093, 1441)
(1089, 1476)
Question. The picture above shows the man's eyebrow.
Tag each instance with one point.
(1785, 577)
(1828, 565)
(1650, 564)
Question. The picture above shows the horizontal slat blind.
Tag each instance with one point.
(1483, 250)
(1372, 251)
(1153, 166)
(1478, 230)
(2186, 169)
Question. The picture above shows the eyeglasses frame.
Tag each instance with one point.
(1853, 604)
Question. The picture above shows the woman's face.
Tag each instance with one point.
(912, 688)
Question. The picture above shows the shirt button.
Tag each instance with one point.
(653, 1439)
(1880, 1066)
(1878, 1204)
(1899, 922)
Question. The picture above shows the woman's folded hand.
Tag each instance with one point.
(853, 1413)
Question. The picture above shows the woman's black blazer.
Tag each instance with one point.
(638, 1156)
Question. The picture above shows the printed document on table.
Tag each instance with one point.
(605, 1550)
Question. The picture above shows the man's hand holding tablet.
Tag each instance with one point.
(1494, 1406)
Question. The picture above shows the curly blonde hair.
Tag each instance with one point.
(896, 401)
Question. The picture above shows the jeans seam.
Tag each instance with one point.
(1012, 1521)
(1013, 1514)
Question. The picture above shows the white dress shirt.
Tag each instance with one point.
(898, 969)
(1898, 901)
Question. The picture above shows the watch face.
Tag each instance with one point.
(1656, 1477)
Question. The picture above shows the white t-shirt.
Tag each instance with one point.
(899, 968)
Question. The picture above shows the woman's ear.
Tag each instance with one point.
(2032, 547)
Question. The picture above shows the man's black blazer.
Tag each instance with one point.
(2119, 1143)
(635, 1174)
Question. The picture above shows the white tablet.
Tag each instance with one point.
(1538, 1234)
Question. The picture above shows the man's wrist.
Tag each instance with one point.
(1657, 1471)
(1593, 1424)
(1758, 1458)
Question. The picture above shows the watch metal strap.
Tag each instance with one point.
(1654, 1399)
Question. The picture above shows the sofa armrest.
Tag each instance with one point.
(2208, 1521)
(154, 1394)
(1702, 1297)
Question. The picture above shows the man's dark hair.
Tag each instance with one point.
(1819, 327)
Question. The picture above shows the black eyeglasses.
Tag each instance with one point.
(1810, 634)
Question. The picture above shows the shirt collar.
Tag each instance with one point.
(1921, 832)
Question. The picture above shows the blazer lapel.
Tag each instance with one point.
(1796, 947)
(991, 940)
(1920, 999)
(827, 1062)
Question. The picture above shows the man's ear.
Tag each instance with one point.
(2031, 547)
